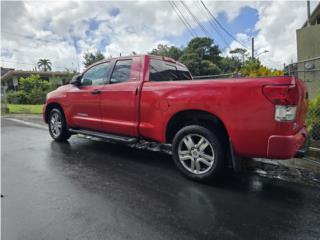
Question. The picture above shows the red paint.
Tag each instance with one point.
(139, 107)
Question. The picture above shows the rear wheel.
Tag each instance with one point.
(57, 126)
(197, 153)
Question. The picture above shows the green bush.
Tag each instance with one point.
(18, 97)
(313, 118)
(32, 90)
(37, 96)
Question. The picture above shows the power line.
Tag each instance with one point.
(195, 19)
(222, 27)
(217, 30)
(182, 18)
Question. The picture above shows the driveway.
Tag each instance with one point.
(87, 189)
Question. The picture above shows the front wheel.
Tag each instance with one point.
(57, 126)
(197, 153)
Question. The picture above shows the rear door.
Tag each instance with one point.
(119, 98)
(85, 99)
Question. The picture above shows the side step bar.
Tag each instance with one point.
(106, 136)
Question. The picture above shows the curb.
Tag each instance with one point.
(26, 123)
(314, 152)
(276, 169)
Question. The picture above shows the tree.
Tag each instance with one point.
(240, 52)
(230, 64)
(202, 57)
(44, 65)
(166, 51)
(205, 48)
(199, 66)
(91, 58)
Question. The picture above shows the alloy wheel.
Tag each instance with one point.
(196, 154)
(56, 124)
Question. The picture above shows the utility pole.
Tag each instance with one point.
(308, 9)
(252, 48)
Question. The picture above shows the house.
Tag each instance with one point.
(308, 49)
(10, 77)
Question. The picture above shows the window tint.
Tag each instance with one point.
(163, 71)
(95, 75)
(121, 71)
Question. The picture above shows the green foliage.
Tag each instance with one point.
(17, 97)
(241, 53)
(203, 48)
(230, 64)
(254, 68)
(91, 58)
(203, 57)
(33, 90)
(313, 118)
(166, 51)
(55, 82)
(44, 65)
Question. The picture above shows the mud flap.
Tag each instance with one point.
(236, 162)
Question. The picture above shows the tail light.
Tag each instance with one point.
(281, 94)
(285, 98)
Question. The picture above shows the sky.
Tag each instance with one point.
(63, 31)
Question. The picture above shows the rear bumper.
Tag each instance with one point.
(286, 147)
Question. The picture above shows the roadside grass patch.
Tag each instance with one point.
(25, 108)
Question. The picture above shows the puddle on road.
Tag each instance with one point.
(278, 171)
(261, 167)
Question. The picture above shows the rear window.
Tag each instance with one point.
(165, 71)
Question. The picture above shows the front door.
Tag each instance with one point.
(85, 99)
(119, 98)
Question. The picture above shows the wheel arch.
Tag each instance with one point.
(48, 109)
(205, 119)
(199, 117)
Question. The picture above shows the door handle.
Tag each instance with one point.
(95, 92)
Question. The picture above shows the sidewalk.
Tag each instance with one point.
(306, 170)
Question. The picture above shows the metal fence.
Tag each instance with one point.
(309, 71)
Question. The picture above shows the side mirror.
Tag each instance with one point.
(76, 80)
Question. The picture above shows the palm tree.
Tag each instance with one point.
(44, 65)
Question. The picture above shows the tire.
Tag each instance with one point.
(59, 132)
(200, 158)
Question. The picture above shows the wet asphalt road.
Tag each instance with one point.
(86, 189)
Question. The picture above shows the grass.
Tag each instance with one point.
(24, 108)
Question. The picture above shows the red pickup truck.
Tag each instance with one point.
(207, 122)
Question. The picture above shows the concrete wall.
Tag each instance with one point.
(308, 46)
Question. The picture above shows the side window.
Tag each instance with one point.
(95, 76)
(163, 71)
(121, 71)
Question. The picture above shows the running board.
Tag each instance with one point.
(106, 136)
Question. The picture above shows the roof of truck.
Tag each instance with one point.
(138, 55)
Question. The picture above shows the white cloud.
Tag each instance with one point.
(33, 30)
(277, 24)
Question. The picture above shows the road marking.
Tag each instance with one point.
(26, 123)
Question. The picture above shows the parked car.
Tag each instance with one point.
(208, 122)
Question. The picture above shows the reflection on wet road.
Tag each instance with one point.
(86, 189)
